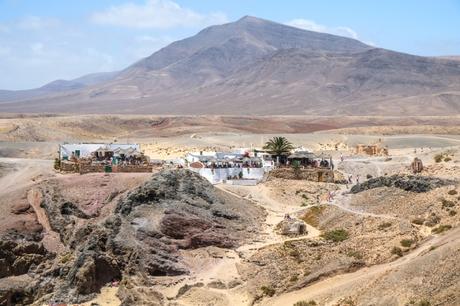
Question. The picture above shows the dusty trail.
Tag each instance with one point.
(343, 283)
(26, 173)
(343, 197)
(276, 211)
(342, 201)
(51, 239)
(225, 267)
(259, 195)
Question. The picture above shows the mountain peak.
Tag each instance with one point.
(248, 18)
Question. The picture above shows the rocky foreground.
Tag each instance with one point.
(138, 239)
(174, 239)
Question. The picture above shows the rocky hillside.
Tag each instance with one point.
(258, 67)
(134, 237)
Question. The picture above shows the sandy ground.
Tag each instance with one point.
(213, 265)
(107, 297)
(276, 205)
(339, 285)
(173, 147)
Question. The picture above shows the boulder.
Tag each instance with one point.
(292, 227)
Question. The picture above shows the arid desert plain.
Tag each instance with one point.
(387, 237)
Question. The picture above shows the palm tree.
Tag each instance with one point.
(278, 146)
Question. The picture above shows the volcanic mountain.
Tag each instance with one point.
(258, 67)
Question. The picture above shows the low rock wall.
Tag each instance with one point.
(314, 174)
(94, 168)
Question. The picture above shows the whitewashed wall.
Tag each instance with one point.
(220, 174)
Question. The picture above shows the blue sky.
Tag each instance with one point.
(45, 40)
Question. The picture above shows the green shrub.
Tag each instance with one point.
(438, 158)
(337, 235)
(294, 253)
(57, 163)
(447, 159)
(433, 220)
(452, 192)
(355, 254)
(447, 203)
(306, 200)
(424, 303)
(397, 251)
(407, 242)
(294, 278)
(297, 170)
(440, 229)
(66, 257)
(418, 221)
(385, 225)
(268, 290)
(305, 303)
(452, 213)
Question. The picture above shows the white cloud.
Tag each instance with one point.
(159, 14)
(38, 23)
(310, 25)
(346, 31)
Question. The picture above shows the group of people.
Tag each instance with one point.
(350, 179)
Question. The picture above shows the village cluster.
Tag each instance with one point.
(240, 166)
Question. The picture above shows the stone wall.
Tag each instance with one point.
(90, 168)
(67, 166)
(132, 168)
(371, 150)
(83, 168)
(310, 174)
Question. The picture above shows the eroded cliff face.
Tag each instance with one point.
(133, 237)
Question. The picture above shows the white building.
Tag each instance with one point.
(82, 150)
(219, 167)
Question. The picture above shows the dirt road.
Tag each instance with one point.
(341, 284)
(26, 172)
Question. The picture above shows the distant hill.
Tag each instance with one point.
(57, 86)
(258, 67)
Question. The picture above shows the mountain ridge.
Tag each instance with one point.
(261, 67)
